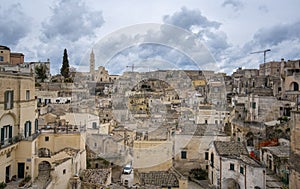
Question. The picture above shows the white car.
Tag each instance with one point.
(127, 169)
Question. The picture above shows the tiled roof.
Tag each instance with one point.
(159, 178)
(95, 176)
(230, 148)
(279, 151)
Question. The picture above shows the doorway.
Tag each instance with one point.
(7, 174)
(21, 169)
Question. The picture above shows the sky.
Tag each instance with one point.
(229, 29)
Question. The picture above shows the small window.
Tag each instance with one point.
(206, 155)
(8, 100)
(27, 94)
(231, 167)
(242, 170)
(94, 125)
(46, 138)
(1, 58)
(183, 154)
(253, 105)
(64, 171)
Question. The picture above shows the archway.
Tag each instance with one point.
(231, 184)
(250, 139)
(44, 170)
(294, 86)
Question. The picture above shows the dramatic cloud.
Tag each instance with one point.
(161, 46)
(277, 34)
(186, 19)
(207, 31)
(71, 20)
(14, 24)
(282, 39)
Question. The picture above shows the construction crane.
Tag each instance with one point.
(264, 51)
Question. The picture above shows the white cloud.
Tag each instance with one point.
(15, 25)
(71, 20)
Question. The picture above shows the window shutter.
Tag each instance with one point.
(5, 99)
(36, 125)
(29, 128)
(2, 135)
(10, 132)
(25, 130)
(12, 100)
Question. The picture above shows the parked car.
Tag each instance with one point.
(127, 169)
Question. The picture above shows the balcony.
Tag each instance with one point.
(8, 142)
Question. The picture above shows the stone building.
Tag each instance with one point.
(276, 159)
(8, 57)
(17, 122)
(48, 157)
(295, 151)
(290, 75)
(230, 166)
(270, 68)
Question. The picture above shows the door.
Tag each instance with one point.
(21, 168)
(7, 174)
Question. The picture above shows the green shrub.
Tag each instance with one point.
(2, 185)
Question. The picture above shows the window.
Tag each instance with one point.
(206, 155)
(206, 121)
(64, 171)
(183, 154)
(6, 134)
(242, 170)
(1, 58)
(231, 167)
(46, 138)
(212, 159)
(27, 129)
(216, 121)
(94, 125)
(253, 105)
(27, 94)
(8, 100)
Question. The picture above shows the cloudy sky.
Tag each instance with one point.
(229, 29)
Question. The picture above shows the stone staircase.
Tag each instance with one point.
(272, 181)
(41, 180)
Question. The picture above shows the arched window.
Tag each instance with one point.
(296, 87)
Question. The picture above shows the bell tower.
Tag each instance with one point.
(92, 63)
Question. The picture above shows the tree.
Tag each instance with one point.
(65, 68)
(41, 72)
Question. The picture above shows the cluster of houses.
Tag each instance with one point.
(240, 130)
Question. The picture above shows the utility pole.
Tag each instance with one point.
(264, 51)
